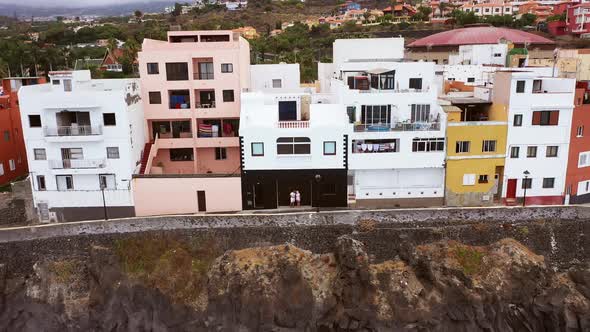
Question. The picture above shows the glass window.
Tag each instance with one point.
(257, 149)
(113, 152)
(228, 95)
(155, 97)
(488, 146)
(548, 182)
(206, 71)
(551, 151)
(11, 164)
(7, 135)
(376, 114)
(527, 183)
(34, 121)
(181, 154)
(420, 113)
(67, 85)
(580, 131)
(514, 151)
(517, 120)
(41, 183)
(277, 83)
(293, 145)
(109, 119)
(153, 68)
(220, 153)
(65, 182)
(416, 83)
(546, 118)
(330, 148)
(470, 79)
(56, 82)
(520, 86)
(227, 68)
(428, 144)
(483, 178)
(531, 152)
(177, 71)
(40, 154)
(584, 159)
(462, 146)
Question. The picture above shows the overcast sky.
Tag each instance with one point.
(68, 3)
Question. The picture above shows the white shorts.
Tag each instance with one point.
(292, 200)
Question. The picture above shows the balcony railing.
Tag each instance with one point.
(210, 104)
(203, 76)
(293, 124)
(73, 131)
(77, 163)
(399, 126)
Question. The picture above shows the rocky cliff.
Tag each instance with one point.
(162, 283)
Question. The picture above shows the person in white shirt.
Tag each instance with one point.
(298, 197)
(292, 198)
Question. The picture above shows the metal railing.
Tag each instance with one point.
(293, 124)
(77, 163)
(210, 104)
(73, 131)
(399, 126)
(203, 76)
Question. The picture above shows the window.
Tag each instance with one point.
(468, 179)
(228, 95)
(65, 182)
(580, 131)
(109, 119)
(107, 181)
(546, 118)
(450, 79)
(11, 164)
(55, 82)
(517, 120)
(227, 68)
(67, 85)
(34, 121)
(497, 55)
(39, 154)
(584, 159)
(257, 149)
(113, 152)
(514, 152)
(220, 153)
(277, 83)
(206, 71)
(551, 151)
(548, 182)
(153, 68)
(483, 178)
(41, 183)
(531, 152)
(416, 83)
(488, 146)
(420, 113)
(527, 183)
(428, 144)
(537, 86)
(470, 79)
(155, 97)
(181, 154)
(520, 86)
(7, 135)
(293, 145)
(376, 114)
(177, 71)
(330, 148)
(462, 147)
(350, 111)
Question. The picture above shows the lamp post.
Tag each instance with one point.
(104, 202)
(318, 179)
(526, 176)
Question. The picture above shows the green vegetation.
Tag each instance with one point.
(469, 258)
(176, 268)
(465, 18)
(63, 270)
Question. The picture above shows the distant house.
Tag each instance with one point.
(348, 5)
(247, 32)
(111, 61)
(402, 9)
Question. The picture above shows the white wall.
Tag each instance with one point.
(485, 54)
(399, 183)
(367, 49)
(262, 76)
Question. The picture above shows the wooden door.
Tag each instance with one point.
(511, 189)
(201, 201)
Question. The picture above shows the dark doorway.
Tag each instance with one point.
(258, 196)
(285, 186)
(201, 201)
(287, 110)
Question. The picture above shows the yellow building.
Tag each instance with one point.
(476, 148)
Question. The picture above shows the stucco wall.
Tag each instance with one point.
(161, 195)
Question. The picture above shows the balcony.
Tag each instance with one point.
(399, 126)
(293, 124)
(72, 131)
(77, 164)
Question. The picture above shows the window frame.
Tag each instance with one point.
(329, 143)
(111, 154)
(460, 146)
(551, 148)
(529, 149)
(515, 122)
(435, 144)
(191, 155)
(520, 89)
(35, 116)
(225, 100)
(41, 178)
(483, 178)
(36, 150)
(514, 149)
(220, 153)
(545, 184)
(227, 67)
(173, 75)
(489, 145)
(252, 149)
(294, 142)
(526, 182)
(154, 93)
(277, 86)
(101, 176)
(415, 81)
(149, 66)
(104, 119)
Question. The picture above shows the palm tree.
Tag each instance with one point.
(112, 44)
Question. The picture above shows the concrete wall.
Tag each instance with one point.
(16, 206)
(161, 195)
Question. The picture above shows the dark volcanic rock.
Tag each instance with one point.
(169, 286)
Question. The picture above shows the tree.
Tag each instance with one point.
(112, 44)
(177, 9)
(463, 18)
(528, 19)
(138, 14)
(425, 11)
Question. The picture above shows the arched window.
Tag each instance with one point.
(293, 145)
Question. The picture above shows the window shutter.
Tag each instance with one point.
(536, 118)
(554, 118)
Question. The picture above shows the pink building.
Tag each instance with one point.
(191, 87)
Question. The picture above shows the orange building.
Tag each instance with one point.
(578, 166)
(13, 158)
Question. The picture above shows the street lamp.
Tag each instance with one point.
(103, 185)
(318, 179)
(526, 176)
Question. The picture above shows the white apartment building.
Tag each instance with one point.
(282, 76)
(539, 120)
(81, 136)
(291, 139)
(396, 127)
(483, 54)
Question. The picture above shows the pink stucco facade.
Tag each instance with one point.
(191, 86)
